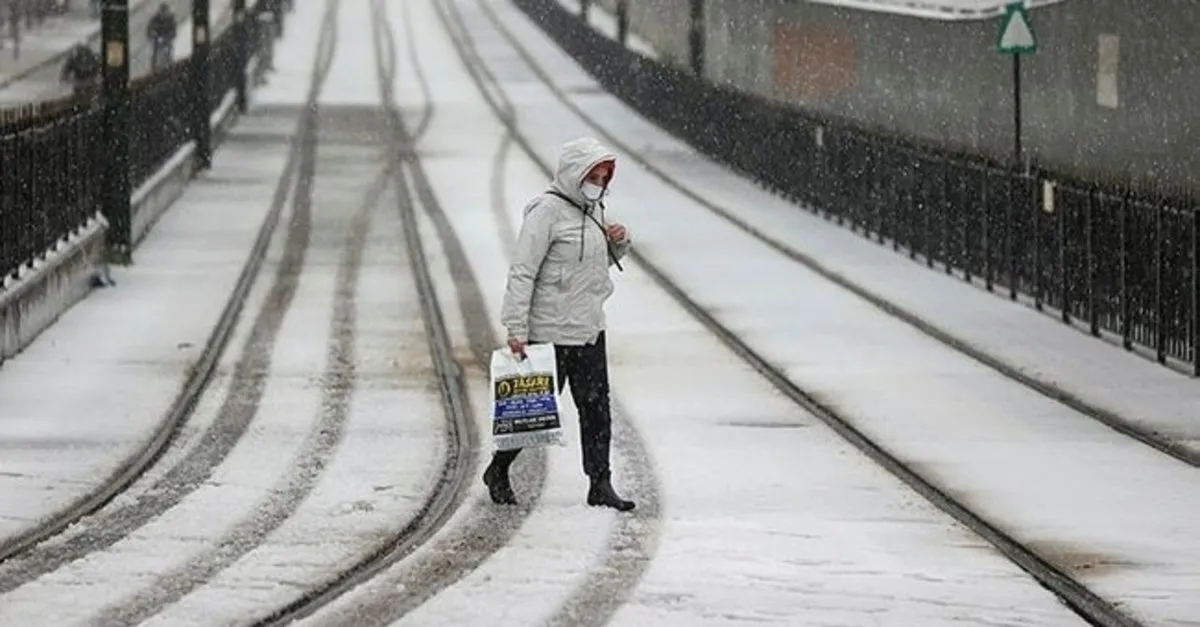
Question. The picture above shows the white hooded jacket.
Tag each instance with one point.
(559, 278)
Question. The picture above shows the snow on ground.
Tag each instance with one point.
(767, 514)
(375, 477)
(380, 472)
(183, 275)
(87, 393)
(563, 536)
(1080, 492)
(753, 486)
(392, 447)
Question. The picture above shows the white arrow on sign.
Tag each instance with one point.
(1017, 34)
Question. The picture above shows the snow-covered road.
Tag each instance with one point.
(323, 430)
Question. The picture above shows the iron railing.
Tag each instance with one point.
(51, 152)
(1118, 259)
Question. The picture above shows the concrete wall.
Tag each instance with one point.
(44, 293)
(1110, 94)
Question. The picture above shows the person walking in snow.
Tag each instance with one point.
(161, 32)
(557, 285)
(82, 69)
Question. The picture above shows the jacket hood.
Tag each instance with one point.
(575, 159)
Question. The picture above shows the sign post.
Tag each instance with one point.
(1016, 39)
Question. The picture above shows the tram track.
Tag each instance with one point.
(1074, 594)
(450, 491)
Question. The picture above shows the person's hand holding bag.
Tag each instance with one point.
(517, 346)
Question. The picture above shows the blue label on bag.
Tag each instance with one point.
(524, 403)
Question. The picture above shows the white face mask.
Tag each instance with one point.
(592, 191)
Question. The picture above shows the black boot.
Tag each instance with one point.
(496, 479)
(602, 493)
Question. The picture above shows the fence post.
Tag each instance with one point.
(1126, 306)
(1035, 227)
(118, 106)
(1092, 270)
(201, 132)
(1064, 258)
(1196, 290)
(241, 45)
(1010, 216)
(1160, 311)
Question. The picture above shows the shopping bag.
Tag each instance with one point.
(525, 398)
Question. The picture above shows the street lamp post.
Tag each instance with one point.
(201, 133)
(118, 111)
(242, 44)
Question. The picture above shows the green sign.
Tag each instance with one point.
(1016, 31)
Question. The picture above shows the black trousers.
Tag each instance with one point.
(585, 368)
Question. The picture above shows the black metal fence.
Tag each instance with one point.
(50, 157)
(1119, 260)
(48, 185)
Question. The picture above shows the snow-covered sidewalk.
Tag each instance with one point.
(89, 393)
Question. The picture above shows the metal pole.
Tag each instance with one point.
(118, 113)
(696, 37)
(1015, 195)
(242, 32)
(201, 132)
(585, 7)
(1017, 157)
(623, 22)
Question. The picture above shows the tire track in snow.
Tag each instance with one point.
(486, 528)
(109, 526)
(451, 488)
(338, 384)
(411, 46)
